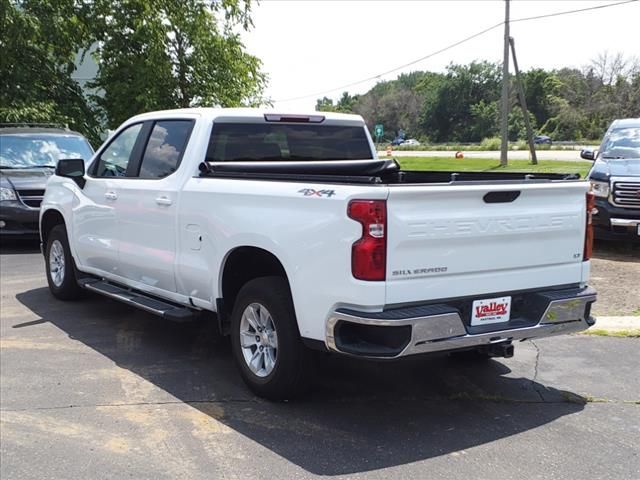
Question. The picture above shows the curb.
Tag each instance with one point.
(616, 324)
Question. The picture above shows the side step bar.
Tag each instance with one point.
(139, 300)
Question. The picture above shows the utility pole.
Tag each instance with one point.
(523, 103)
(504, 110)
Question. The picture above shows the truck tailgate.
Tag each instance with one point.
(453, 240)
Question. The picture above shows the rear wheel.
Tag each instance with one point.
(266, 342)
(61, 274)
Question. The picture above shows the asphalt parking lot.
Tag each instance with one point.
(98, 390)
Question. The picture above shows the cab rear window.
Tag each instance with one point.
(267, 142)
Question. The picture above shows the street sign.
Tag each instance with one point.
(378, 131)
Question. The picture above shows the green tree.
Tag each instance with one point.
(633, 99)
(346, 103)
(566, 123)
(39, 40)
(447, 114)
(325, 104)
(485, 119)
(157, 54)
(396, 104)
(536, 85)
(399, 109)
(517, 127)
(461, 105)
(152, 54)
(369, 105)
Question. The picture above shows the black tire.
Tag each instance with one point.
(290, 375)
(65, 287)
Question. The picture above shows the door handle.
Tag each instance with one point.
(501, 197)
(163, 200)
(111, 196)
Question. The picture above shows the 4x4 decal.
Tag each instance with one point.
(310, 192)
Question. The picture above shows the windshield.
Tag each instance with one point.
(263, 142)
(41, 150)
(622, 143)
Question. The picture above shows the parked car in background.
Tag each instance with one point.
(411, 142)
(542, 140)
(615, 181)
(28, 157)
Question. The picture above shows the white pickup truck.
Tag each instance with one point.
(293, 235)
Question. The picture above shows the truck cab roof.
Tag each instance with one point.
(253, 115)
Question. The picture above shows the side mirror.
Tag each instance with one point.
(588, 154)
(72, 168)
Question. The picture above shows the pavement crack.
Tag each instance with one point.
(132, 404)
(534, 380)
(257, 401)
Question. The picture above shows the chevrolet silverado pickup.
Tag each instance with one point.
(290, 233)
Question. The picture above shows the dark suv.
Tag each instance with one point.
(615, 181)
(28, 156)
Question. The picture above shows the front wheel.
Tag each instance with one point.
(266, 342)
(61, 274)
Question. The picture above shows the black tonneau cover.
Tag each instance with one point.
(381, 171)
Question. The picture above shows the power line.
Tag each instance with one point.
(567, 12)
(397, 68)
(449, 47)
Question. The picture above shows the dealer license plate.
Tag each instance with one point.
(491, 310)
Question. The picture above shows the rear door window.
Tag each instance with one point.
(270, 142)
(165, 147)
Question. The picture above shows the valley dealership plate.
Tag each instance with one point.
(491, 310)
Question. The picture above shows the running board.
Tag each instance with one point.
(139, 300)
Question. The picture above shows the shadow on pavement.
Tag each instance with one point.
(612, 250)
(360, 416)
(18, 247)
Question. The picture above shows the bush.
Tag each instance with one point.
(491, 143)
(411, 147)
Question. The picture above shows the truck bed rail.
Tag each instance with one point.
(377, 171)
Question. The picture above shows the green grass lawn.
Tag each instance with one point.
(490, 164)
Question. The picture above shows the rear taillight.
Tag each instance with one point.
(588, 235)
(369, 253)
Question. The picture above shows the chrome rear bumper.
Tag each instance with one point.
(440, 327)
